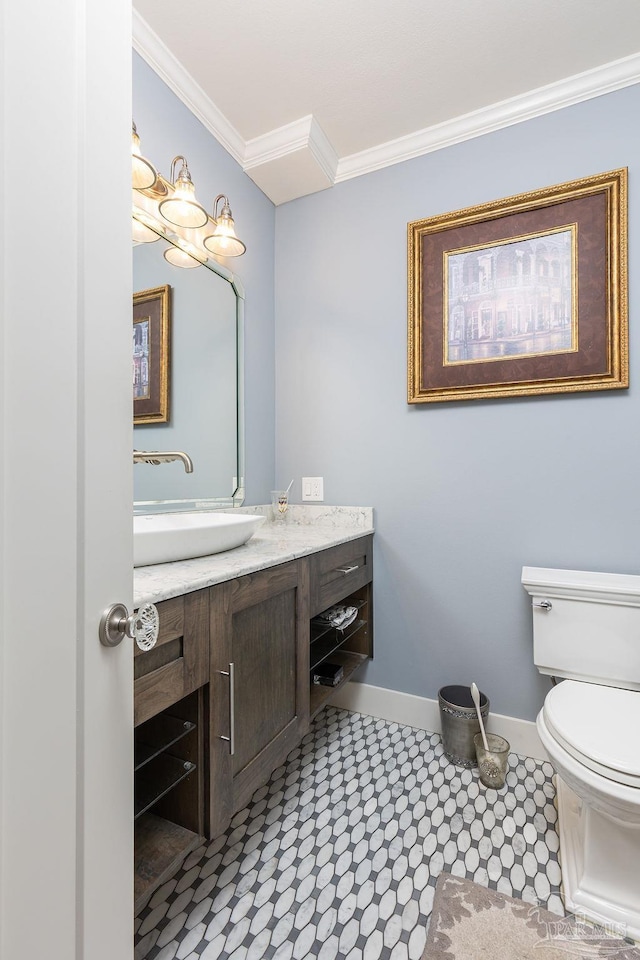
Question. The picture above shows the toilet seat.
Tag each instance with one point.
(598, 726)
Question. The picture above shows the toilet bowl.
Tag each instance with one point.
(599, 816)
(587, 630)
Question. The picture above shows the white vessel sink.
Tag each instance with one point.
(162, 537)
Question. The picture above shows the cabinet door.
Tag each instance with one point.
(259, 687)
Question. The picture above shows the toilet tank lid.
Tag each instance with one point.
(617, 588)
(600, 724)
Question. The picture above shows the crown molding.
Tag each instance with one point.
(292, 161)
(547, 99)
(306, 138)
(151, 48)
(322, 150)
(277, 143)
(303, 134)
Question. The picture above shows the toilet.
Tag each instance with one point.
(586, 632)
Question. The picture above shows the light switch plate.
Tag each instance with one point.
(313, 488)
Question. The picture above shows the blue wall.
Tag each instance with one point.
(166, 128)
(465, 493)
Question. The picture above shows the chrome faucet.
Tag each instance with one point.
(155, 457)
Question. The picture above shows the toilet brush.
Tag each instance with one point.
(475, 696)
(489, 769)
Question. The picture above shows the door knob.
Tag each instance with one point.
(142, 626)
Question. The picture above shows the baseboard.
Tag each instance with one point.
(424, 714)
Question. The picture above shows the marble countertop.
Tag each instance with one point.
(307, 529)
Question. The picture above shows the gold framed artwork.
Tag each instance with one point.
(526, 295)
(151, 342)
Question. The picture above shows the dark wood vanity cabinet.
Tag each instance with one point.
(228, 692)
(259, 696)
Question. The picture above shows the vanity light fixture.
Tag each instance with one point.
(185, 255)
(182, 209)
(194, 235)
(143, 172)
(223, 241)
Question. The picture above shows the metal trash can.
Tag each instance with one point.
(459, 723)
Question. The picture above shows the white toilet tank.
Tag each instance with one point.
(586, 626)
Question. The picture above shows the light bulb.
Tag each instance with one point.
(182, 209)
(179, 256)
(223, 241)
(141, 233)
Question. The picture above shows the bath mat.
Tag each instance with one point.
(469, 922)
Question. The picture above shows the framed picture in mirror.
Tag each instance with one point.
(151, 355)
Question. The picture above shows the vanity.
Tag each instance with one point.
(227, 692)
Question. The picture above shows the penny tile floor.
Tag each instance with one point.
(338, 855)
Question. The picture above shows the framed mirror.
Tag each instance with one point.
(204, 303)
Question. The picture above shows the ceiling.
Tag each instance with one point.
(306, 93)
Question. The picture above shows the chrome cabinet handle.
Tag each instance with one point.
(142, 626)
(231, 739)
(545, 605)
(346, 570)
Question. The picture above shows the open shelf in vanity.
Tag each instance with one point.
(157, 768)
(348, 648)
(168, 792)
(326, 638)
(170, 743)
(341, 576)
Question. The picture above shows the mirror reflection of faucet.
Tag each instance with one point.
(156, 457)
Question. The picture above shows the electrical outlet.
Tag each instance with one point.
(313, 488)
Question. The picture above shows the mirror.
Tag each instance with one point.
(205, 387)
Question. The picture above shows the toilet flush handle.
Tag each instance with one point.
(545, 605)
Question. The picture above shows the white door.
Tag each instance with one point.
(65, 481)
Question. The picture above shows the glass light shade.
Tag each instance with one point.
(143, 173)
(141, 233)
(178, 257)
(182, 209)
(223, 241)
